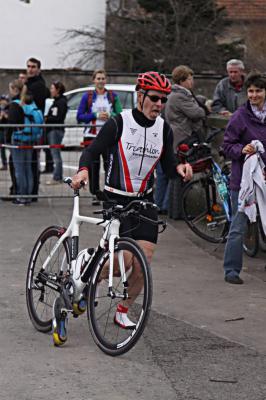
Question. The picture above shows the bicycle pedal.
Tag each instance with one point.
(59, 323)
(79, 308)
(212, 225)
(58, 340)
(59, 335)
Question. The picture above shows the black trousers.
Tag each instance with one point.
(49, 164)
(35, 171)
(13, 188)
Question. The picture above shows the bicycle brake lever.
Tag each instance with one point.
(97, 212)
(68, 180)
(101, 222)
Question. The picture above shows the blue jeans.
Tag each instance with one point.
(22, 160)
(162, 189)
(55, 137)
(233, 255)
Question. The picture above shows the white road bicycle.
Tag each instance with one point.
(102, 276)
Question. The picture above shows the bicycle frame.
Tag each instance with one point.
(226, 202)
(110, 235)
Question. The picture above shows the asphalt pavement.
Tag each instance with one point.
(205, 339)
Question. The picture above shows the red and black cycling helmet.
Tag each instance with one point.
(153, 81)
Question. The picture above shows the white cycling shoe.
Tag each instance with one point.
(121, 319)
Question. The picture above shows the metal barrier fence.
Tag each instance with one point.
(70, 149)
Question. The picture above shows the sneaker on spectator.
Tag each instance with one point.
(19, 202)
(47, 171)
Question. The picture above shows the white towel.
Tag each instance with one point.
(253, 186)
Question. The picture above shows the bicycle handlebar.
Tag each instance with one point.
(68, 181)
(118, 210)
(213, 134)
(199, 145)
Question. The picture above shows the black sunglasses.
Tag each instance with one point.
(155, 98)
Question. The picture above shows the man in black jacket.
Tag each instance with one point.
(37, 87)
(36, 83)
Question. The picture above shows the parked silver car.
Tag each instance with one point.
(73, 136)
(126, 93)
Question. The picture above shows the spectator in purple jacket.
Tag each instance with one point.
(246, 124)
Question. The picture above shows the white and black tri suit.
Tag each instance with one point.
(135, 145)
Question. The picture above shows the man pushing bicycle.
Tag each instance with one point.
(136, 141)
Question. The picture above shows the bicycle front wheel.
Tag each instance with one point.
(39, 296)
(203, 211)
(117, 324)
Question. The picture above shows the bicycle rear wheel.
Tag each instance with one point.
(112, 338)
(40, 297)
(262, 237)
(203, 211)
(251, 239)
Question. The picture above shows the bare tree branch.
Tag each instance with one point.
(142, 34)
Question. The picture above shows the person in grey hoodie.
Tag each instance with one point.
(248, 123)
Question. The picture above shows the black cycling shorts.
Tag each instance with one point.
(133, 227)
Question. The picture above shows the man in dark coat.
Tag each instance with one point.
(37, 87)
(36, 83)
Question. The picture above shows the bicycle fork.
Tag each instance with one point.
(121, 263)
(110, 236)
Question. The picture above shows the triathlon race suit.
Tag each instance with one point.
(135, 145)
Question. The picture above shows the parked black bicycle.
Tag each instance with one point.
(206, 202)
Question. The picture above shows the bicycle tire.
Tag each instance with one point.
(203, 211)
(110, 338)
(262, 237)
(251, 239)
(175, 198)
(39, 297)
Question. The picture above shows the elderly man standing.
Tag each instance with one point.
(229, 93)
(36, 86)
